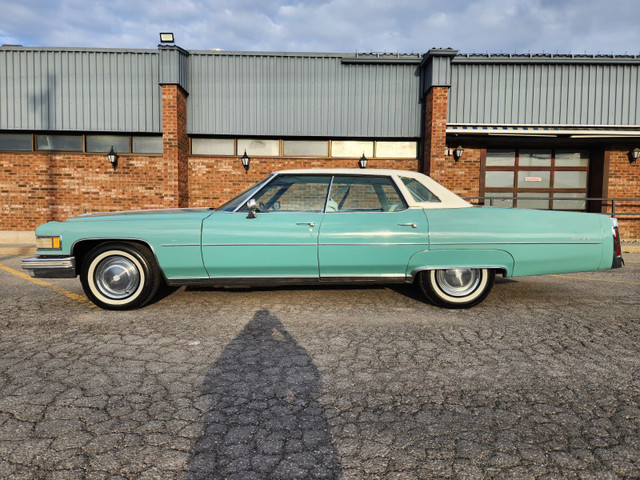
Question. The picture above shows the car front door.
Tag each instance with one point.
(280, 242)
(368, 230)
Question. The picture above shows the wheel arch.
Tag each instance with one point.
(83, 246)
(499, 260)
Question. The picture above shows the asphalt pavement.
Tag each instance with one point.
(542, 380)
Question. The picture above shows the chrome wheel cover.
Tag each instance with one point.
(117, 277)
(458, 282)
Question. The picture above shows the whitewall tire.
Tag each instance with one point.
(456, 287)
(120, 276)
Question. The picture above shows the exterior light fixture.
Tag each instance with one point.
(166, 37)
(113, 158)
(363, 161)
(457, 154)
(635, 154)
(245, 161)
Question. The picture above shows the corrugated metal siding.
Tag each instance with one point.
(174, 67)
(80, 90)
(283, 95)
(437, 73)
(560, 94)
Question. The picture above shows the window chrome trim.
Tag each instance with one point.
(326, 200)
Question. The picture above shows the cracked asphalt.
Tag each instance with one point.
(542, 380)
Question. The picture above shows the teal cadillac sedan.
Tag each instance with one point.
(323, 226)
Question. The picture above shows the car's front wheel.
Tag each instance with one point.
(456, 287)
(120, 276)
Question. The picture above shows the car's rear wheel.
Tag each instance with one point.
(120, 276)
(456, 287)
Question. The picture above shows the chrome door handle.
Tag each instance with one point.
(311, 224)
(412, 225)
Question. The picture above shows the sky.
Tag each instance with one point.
(398, 26)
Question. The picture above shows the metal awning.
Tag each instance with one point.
(571, 131)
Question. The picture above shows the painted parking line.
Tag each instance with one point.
(594, 279)
(50, 286)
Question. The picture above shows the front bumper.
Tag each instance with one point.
(50, 267)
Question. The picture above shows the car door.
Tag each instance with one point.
(368, 230)
(282, 239)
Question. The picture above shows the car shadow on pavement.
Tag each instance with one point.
(264, 420)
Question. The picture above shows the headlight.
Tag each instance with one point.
(48, 243)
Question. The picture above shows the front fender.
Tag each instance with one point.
(439, 259)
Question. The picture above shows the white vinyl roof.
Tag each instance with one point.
(448, 199)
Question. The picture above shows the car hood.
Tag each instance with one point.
(146, 214)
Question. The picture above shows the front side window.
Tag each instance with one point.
(293, 193)
(364, 194)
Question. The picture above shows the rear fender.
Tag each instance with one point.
(440, 259)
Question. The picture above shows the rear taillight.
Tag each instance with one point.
(617, 250)
(616, 242)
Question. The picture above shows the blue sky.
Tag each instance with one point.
(494, 26)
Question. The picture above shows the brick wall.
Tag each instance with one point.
(461, 177)
(624, 182)
(215, 180)
(39, 187)
(175, 144)
(435, 127)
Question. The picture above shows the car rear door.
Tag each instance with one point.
(368, 230)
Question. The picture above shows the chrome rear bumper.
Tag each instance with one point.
(50, 267)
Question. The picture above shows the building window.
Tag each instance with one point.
(306, 148)
(144, 144)
(15, 142)
(259, 148)
(351, 149)
(63, 143)
(103, 143)
(396, 149)
(540, 178)
(213, 146)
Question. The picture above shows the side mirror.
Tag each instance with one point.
(253, 208)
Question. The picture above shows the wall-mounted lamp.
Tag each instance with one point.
(635, 155)
(363, 161)
(245, 161)
(457, 153)
(113, 158)
(166, 37)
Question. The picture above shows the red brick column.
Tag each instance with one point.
(175, 145)
(435, 128)
(624, 182)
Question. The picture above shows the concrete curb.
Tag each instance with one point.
(15, 237)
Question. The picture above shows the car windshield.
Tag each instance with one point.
(231, 205)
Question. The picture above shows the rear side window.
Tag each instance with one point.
(364, 194)
(418, 191)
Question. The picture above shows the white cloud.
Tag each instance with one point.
(330, 25)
